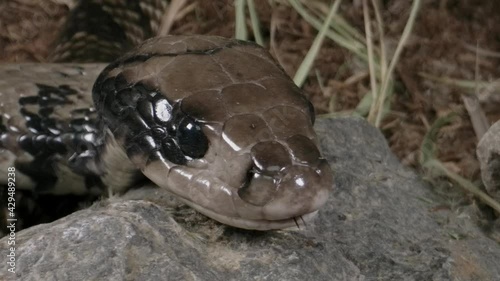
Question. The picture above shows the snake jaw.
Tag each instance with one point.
(222, 202)
(237, 214)
(254, 224)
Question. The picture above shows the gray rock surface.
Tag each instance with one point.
(488, 153)
(380, 223)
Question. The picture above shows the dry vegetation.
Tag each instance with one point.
(448, 62)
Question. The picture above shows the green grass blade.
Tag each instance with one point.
(428, 148)
(470, 85)
(353, 46)
(255, 23)
(241, 31)
(305, 66)
(429, 161)
(464, 183)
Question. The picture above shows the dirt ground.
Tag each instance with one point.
(444, 43)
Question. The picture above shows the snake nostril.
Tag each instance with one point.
(269, 158)
(258, 189)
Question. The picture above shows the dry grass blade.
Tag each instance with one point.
(380, 26)
(169, 18)
(395, 58)
(383, 62)
(305, 66)
(482, 52)
(477, 116)
(428, 160)
(371, 62)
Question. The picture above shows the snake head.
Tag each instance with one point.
(218, 123)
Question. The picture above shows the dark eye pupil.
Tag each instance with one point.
(192, 140)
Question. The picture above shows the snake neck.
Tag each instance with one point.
(113, 158)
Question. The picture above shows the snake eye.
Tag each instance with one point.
(192, 140)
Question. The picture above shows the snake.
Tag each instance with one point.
(215, 121)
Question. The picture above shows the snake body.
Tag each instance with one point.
(215, 121)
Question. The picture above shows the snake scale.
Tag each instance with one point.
(215, 121)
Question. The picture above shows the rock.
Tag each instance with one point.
(380, 223)
(488, 153)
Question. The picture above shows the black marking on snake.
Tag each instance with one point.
(178, 137)
(28, 100)
(3, 128)
(51, 140)
(97, 16)
(48, 97)
(83, 112)
(148, 121)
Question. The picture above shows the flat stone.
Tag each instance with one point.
(382, 222)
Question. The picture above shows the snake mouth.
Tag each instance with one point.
(298, 222)
(198, 189)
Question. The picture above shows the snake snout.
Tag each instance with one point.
(286, 180)
(300, 191)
